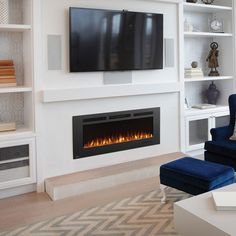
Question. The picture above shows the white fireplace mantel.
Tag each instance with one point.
(107, 91)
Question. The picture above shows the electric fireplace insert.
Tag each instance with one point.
(110, 132)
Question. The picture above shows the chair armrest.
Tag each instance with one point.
(221, 133)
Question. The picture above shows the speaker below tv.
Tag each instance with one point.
(108, 40)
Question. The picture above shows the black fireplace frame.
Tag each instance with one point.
(78, 121)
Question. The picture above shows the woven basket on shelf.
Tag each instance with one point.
(3, 11)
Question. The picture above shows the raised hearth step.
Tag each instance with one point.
(106, 177)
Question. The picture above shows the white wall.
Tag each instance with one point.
(54, 120)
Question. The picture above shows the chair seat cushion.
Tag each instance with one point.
(203, 175)
(225, 148)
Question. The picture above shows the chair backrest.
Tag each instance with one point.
(232, 108)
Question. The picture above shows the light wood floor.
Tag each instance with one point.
(34, 207)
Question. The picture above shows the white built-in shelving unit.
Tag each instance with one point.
(196, 48)
(17, 148)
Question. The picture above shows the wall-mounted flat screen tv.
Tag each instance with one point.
(105, 40)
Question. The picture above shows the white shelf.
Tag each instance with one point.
(19, 133)
(206, 34)
(15, 27)
(16, 89)
(203, 8)
(194, 111)
(208, 78)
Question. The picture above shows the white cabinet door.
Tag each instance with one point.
(220, 119)
(197, 131)
(198, 128)
(17, 163)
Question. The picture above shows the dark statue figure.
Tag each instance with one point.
(212, 59)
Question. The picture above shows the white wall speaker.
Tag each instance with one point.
(169, 52)
(54, 52)
(123, 77)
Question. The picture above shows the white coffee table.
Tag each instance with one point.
(197, 216)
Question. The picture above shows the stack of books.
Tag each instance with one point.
(7, 73)
(193, 73)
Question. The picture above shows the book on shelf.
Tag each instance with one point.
(193, 73)
(193, 69)
(6, 63)
(7, 77)
(7, 68)
(3, 85)
(3, 81)
(194, 77)
(204, 106)
(7, 126)
(224, 201)
(200, 76)
(7, 72)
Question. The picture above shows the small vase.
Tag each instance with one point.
(4, 11)
(212, 94)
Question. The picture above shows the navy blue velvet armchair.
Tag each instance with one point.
(221, 149)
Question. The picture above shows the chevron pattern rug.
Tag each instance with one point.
(143, 215)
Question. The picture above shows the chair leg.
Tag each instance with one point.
(163, 199)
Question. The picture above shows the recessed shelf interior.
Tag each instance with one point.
(16, 107)
(201, 49)
(19, 12)
(201, 20)
(196, 92)
(16, 46)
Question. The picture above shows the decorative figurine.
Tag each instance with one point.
(208, 1)
(212, 59)
(212, 94)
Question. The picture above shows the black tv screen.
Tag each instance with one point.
(105, 40)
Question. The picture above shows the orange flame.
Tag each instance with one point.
(117, 139)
